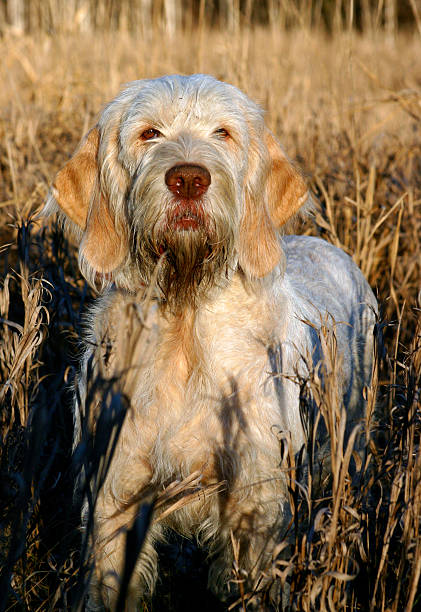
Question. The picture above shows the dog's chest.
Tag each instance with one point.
(199, 383)
(203, 360)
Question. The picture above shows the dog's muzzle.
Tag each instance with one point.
(188, 183)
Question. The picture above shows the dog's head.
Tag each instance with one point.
(182, 173)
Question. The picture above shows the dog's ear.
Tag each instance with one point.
(276, 193)
(286, 188)
(74, 184)
(77, 193)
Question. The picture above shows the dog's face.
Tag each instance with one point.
(179, 176)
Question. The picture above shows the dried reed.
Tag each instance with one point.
(347, 107)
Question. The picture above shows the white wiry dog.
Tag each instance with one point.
(178, 197)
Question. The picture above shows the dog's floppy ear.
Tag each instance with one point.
(277, 193)
(76, 191)
(286, 188)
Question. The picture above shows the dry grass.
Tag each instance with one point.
(348, 108)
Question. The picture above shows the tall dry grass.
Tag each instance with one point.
(346, 106)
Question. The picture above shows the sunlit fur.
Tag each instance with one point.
(205, 328)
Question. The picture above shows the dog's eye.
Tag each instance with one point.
(221, 133)
(150, 134)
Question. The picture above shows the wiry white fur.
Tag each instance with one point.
(209, 383)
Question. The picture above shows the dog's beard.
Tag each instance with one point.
(188, 263)
(186, 248)
(190, 266)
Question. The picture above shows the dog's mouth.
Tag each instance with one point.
(186, 215)
(185, 223)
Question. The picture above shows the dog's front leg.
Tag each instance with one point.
(112, 528)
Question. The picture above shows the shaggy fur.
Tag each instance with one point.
(204, 316)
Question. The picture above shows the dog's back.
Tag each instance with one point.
(333, 292)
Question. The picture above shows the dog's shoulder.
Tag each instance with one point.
(115, 314)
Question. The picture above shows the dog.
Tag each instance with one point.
(179, 198)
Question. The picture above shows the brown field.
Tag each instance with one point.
(347, 106)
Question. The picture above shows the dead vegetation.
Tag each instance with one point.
(347, 106)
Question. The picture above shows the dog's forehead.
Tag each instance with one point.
(183, 100)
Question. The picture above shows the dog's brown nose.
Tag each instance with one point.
(188, 180)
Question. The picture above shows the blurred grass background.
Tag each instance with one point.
(341, 83)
